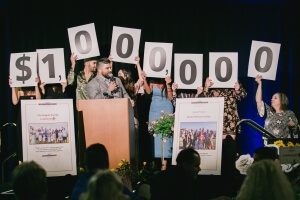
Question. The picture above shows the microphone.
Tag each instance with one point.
(113, 79)
(107, 95)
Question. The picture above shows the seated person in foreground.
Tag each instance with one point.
(29, 181)
(96, 158)
(105, 185)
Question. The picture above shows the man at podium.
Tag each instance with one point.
(105, 85)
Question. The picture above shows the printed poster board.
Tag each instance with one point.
(199, 124)
(48, 136)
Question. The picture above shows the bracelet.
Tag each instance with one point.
(169, 90)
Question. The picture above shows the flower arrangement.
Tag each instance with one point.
(132, 179)
(163, 126)
(146, 172)
(280, 143)
(123, 169)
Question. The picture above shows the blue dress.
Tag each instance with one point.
(158, 104)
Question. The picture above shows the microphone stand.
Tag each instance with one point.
(10, 156)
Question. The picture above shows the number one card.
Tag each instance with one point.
(51, 65)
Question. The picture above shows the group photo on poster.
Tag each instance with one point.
(48, 133)
(199, 124)
(198, 135)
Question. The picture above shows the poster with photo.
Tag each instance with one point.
(48, 135)
(199, 124)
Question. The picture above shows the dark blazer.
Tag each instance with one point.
(97, 88)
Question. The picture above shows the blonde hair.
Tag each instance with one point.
(265, 180)
(105, 185)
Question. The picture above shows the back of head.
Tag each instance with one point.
(29, 181)
(189, 160)
(262, 153)
(104, 185)
(265, 180)
(96, 157)
(186, 156)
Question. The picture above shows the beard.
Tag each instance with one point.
(107, 75)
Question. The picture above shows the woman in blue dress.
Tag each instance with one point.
(161, 91)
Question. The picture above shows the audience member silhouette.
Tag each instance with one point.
(265, 180)
(178, 181)
(96, 158)
(30, 181)
(105, 185)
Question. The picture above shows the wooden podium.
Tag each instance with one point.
(109, 122)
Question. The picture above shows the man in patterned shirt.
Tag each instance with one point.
(83, 77)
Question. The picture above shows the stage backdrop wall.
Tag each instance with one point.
(191, 26)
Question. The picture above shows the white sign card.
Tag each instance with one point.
(83, 41)
(48, 135)
(23, 69)
(199, 124)
(125, 44)
(223, 69)
(51, 64)
(188, 70)
(157, 59)
(263, 59)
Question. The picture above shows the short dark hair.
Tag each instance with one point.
(186, 156)
(102, 61)
(96, 157)
(266, 153)
(29, 181)
(90, 59)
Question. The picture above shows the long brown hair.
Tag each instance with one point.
(160, 81)
(128, 83)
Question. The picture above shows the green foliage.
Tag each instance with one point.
(163, 126)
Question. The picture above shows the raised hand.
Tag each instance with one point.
(73, 59)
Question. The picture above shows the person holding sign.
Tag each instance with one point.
(54, 91)
(231, 95)
(161, 91)
(279, 120)
(18, 94)
(185, 93)
(25, 92)
(83, 77)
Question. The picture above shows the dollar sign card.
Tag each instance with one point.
(23, 69)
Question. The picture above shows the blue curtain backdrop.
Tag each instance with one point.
(192, 27)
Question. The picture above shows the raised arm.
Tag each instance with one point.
(37, 89)
(14, 93)
(71, 74)
(169, 87)
(139, 84)
(258, 96)
(147, 87)
(207, 85)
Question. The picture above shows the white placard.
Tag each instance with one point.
(263, 59)
(83, 41)
(223, 69)
(157, 59)
(188, 72)
(202, 120)
(23, 69)
(51, 65)
(48, 135)
(125, 44)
